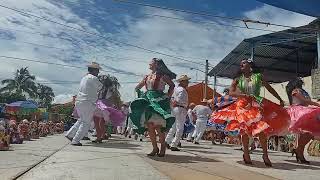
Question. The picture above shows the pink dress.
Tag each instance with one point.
(303, 118)
(108, 113)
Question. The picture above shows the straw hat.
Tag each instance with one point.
(94, 65)
(204, 101)
(183, 78)
(25, 121)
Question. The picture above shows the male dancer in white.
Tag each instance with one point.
(85, 104)
(180, 104)
(190, 136)
(201, 114)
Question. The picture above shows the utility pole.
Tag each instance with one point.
(206, 80)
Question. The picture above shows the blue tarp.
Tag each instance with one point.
(307, 7)
(24, 104)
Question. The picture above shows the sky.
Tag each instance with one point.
(124, 37)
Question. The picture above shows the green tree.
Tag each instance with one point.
(11, 97)
(22, 85)
(45, 95)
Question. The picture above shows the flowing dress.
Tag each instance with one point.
(303, 118)
(107, 112)
(152, 106)
(252, 114)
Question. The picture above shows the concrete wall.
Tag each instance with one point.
(281, 89)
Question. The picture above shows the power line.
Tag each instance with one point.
(58, 64)
(206, 14)
(35, 44)
(210, 22)
(98, 35)
(112, 57)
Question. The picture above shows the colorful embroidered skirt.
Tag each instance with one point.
(188, 127)
(247, 116)
(152, 106)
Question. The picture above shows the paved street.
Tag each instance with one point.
(120, 159)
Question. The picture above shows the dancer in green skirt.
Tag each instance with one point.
(151, 110)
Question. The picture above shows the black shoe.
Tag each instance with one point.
(174, 149)
(69, 138)
(140, 140)
(154, 152)
(196, 143)
(266, 161)
(300, 159)
(168, 146)
(247, 161)
(179, 145)
(78, 144)
(86, 138)
(97, 141)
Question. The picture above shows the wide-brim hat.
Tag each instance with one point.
(94, 65)
(183, 78)
(204, 101)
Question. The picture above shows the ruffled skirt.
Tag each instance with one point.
(304, 119)
(152, 106)
(109, 114)
(247, 116)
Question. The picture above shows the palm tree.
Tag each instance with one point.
(45, 95)
(110, 83)
(22, 84)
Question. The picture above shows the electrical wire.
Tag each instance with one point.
(207, 14)
(58, 64)
(98, 35)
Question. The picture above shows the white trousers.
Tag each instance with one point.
(199, 130)
(122, 128)
(85, 111)
(176, 131)
(191, 135)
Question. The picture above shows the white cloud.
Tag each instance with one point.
(189, 39)
(63, 98)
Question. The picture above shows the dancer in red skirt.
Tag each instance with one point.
(252, 115)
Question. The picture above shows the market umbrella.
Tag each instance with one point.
(21, 107)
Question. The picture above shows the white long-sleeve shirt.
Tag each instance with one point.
(180, 96)
(190, 115)
(202, 112)
(89, 87)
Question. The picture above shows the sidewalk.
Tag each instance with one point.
(23, 156)
(121, 159)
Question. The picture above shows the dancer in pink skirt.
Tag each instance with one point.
(305, 117)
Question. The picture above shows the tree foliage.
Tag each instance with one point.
(23, 86)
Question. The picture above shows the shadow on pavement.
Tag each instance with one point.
(171, 158)
(312, 163)
(85, 160)
(206, 152)
(195, 147)
(281, 166)
(114, 145)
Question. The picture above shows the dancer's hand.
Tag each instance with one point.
(281, 103)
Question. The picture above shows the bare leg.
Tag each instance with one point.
(303, 140)
(97, 126)
(162, 137)
(102, 128)
(153, 138)
(264, 145)
(245, 146)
